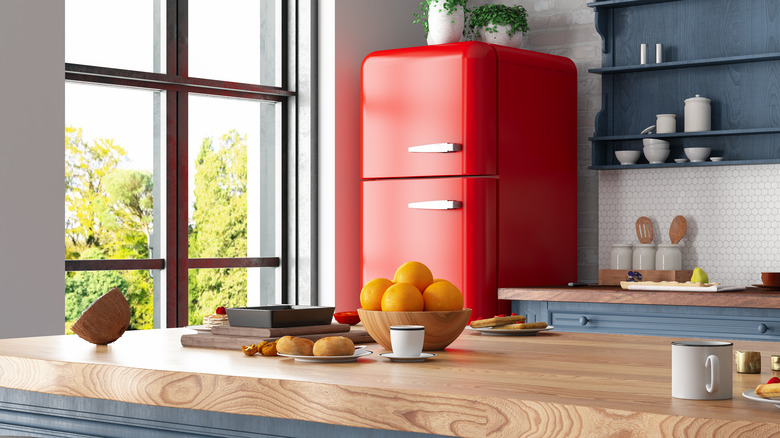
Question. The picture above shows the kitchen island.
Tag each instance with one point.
(552, 384)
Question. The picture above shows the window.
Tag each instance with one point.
(189, 142)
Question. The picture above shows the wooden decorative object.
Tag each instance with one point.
(105, 320)
(677, 229)
(441, 328)
(644, 230)
(613, 277)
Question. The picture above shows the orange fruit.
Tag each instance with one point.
(442, 295)
(371, 294)
(414, 273)
(402, 297)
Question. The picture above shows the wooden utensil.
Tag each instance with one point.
(644, 230)
(678, 228)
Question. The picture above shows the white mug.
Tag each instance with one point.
(407, 340)
(666, 123)
(702, 370)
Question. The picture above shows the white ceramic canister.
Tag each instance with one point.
(621, 256)
(644, 256)
(668, 257)
(666, 123)
(697, 114)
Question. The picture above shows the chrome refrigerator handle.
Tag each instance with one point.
(437, 147)
(442, 204)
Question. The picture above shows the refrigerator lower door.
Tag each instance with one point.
(447, 223)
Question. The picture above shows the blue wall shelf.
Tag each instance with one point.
(723, 50)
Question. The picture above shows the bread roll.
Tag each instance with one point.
(295, 346)
(334, 346)
(768, 390)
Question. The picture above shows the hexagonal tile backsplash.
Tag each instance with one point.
(733, 215)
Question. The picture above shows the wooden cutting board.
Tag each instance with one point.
(223, 342)
(278, 332)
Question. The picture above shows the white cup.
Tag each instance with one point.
(702, 370)
(407, 340)
(666, 123)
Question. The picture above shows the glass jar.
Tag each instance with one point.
(644, 256)
(668, 257)
(621, 256)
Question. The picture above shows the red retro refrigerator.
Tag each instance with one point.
(469, 165)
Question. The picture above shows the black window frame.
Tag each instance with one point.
(297, 95)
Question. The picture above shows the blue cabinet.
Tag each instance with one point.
(656, 320)
(727, 51)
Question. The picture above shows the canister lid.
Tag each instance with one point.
(696, 98)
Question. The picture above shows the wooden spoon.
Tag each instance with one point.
(678, 228)
(644, 229)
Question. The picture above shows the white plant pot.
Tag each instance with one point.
(444, 28)
(501, 36)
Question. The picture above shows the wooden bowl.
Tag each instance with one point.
(441, 328)
(105, 320)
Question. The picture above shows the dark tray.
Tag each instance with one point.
(279, 315)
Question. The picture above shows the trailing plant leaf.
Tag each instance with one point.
(446, 5)
(491, 15)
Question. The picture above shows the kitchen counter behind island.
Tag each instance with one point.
(552, 384)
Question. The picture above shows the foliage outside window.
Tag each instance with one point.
(206, 241)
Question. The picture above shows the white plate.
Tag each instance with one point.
(751, 394)
(509, 332)
(199, 328)
(421, 358)
(332, 359)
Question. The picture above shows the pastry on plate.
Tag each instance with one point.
(496, 321)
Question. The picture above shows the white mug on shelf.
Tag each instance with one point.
(665, 123)
(702, 370)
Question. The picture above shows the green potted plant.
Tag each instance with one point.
(443, 20)
(497, 24)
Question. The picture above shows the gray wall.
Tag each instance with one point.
(349, 30)
(32, 171)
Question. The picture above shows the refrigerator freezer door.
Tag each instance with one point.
(447, 223)
(429, 111)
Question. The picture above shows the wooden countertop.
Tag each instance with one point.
(752, 297)
(555, 383)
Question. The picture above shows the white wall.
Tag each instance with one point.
(348, 31)
(32, 168)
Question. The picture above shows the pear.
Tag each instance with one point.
(699, 276)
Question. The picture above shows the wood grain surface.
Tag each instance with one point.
(552, 384)
(751, 297)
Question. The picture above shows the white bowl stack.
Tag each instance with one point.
(656, 151)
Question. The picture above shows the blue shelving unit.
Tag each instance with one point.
(725, 51)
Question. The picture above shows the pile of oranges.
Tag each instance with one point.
(413, 288)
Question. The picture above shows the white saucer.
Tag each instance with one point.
(509, 332)
(680, 160)
(326, 359)
(716, 158)
(421, 358)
